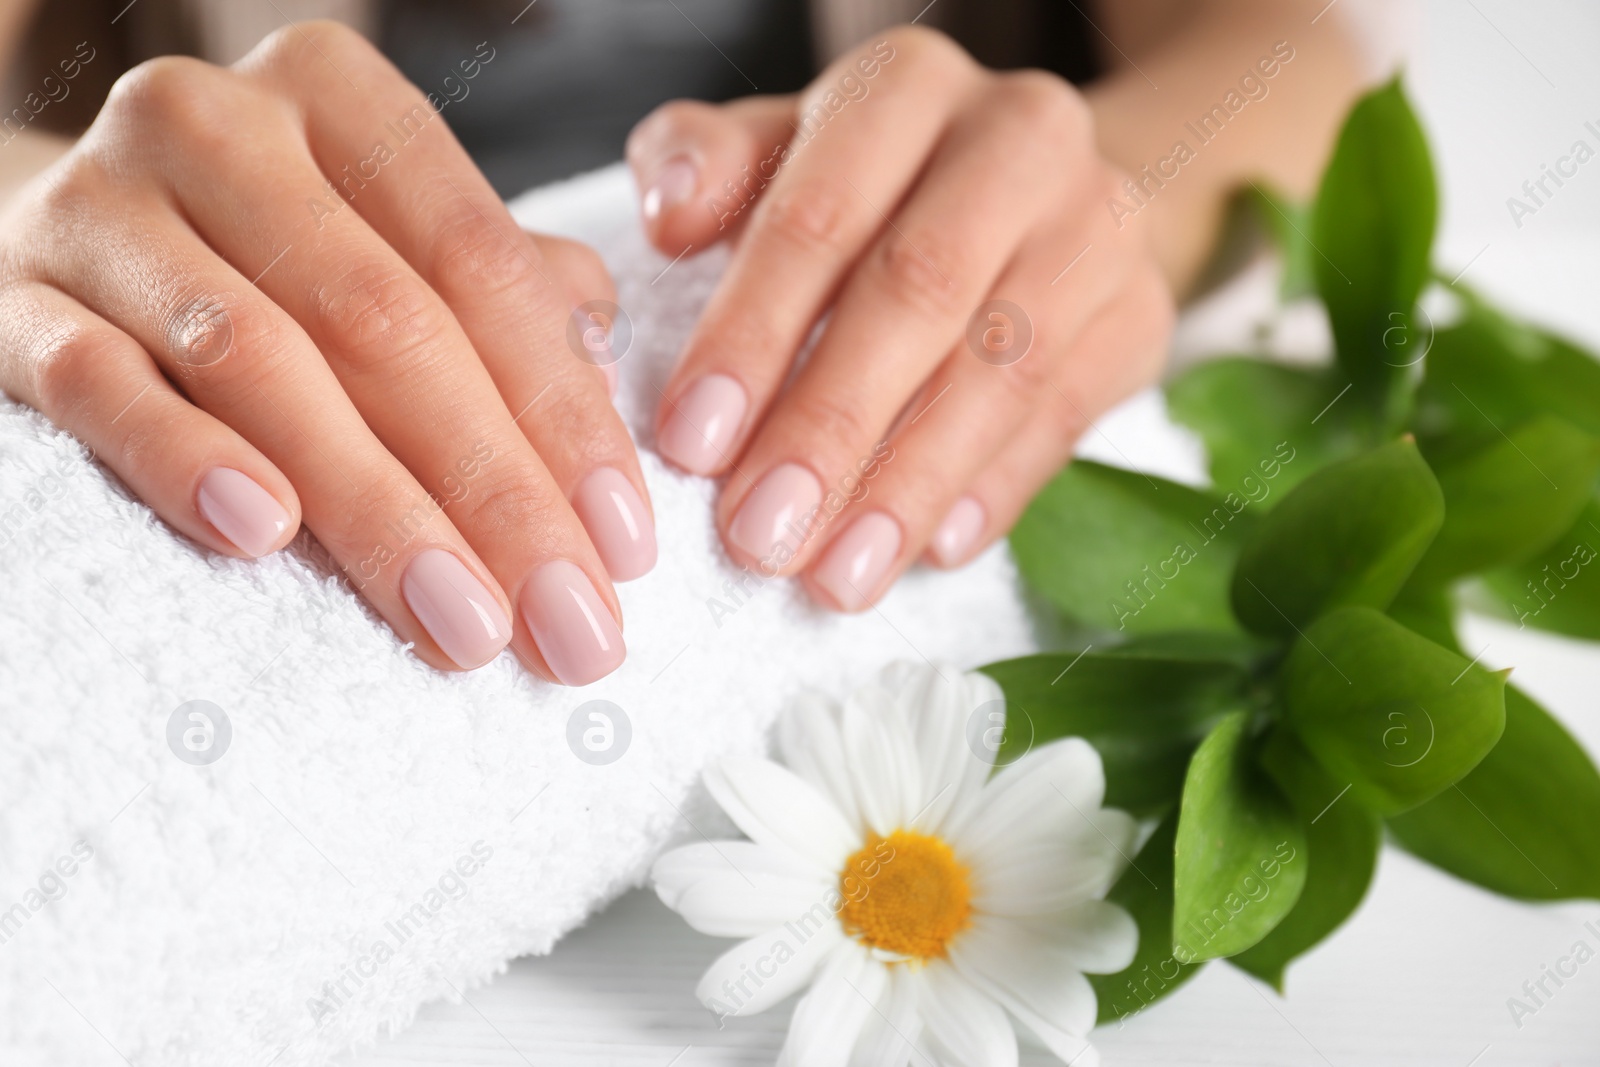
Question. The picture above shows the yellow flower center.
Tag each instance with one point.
(905, 893)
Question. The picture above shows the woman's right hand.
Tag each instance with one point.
(282, 289)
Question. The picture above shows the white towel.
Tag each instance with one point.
(244, 912)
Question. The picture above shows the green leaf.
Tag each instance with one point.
(1390, 712)
(1429, 612)
(1349, 534)
(1507, 501)
(1373, 227)
(1237, 837)
(1524, 822)
(1145, 890)
(1489, 371)
(1265, 425)
(1559, 589)
(1290, 225)
(1118, 550)
(1143, 712)
(1342, 840)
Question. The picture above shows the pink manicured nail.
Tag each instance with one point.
(700, 427)
(243, 512)
(570, 624)
(773, 517)
(618, 523)
(858, 560)
(954, 539)
(462, 617)
(675, 183)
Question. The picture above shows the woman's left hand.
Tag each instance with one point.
(982, 305)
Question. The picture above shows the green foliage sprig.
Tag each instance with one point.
(1269, 668)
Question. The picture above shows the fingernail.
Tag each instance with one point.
(610, 372)
(461, 616)
(570, 623)
(858, 560)
(952, 542)
(240, 510)
(775, 513)
(675, 182)
(699, 429)
(618, 523)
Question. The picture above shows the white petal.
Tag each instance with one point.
(890, 1036)
(938, 706)
(828, 1020)
(1097, 936)
(682, 867)
(729, 906)
(756, 974)
(883, 760)
(963, 1026)
(812, 747)
(775, 807)
(1026, 973)
(1038, 875)
(1057, 778)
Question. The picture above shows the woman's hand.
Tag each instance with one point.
(282, 290)
(983, 307)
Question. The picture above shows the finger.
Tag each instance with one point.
(1119, 353)
(241, 358)
(98, 384)
(400, 356)
(988, 386)
(433, 208)
(830, 200)
(585, 280)
(701, 165)
(908, 302)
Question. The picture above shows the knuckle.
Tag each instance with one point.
(147, 440)
(575, 418)
(475, 259)
(80, 179)
(742, 329)
(812, 215)
(231, 345)
(509, 506)
(1040, 100)
(1027, 376)
(381, 503)
(172, 92)
(918, 270)
(585, 268)
(834, 419)
(316, 40)
(376, 316)
(70, 359)
(925, 50)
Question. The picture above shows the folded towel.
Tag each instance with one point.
(344, 833)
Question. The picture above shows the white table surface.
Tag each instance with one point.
(1422, 973)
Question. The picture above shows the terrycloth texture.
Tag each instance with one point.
(217, 901)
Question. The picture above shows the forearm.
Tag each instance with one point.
(1198, 110)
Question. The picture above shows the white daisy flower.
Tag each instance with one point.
(919, 898)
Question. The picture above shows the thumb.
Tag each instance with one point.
(699, 167)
